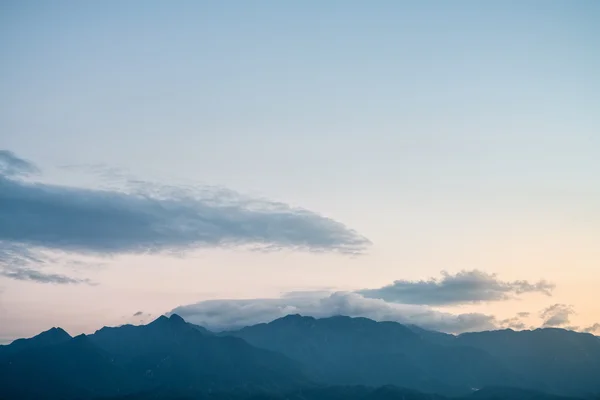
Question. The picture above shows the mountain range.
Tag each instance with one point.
(298, 357)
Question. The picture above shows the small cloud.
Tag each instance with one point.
(28, 274)
(571, 328)
(513, 323)
(556, 315)
(13, 166)
(523, 314)
(593, 328)
(462, 288)
(306, 293)
(16, 262)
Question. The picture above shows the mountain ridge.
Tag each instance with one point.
(301, 356)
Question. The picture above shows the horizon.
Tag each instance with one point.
(427, 163)
(299, 357)
(169, 317)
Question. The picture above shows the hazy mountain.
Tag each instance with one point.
(433, 336)
(344, 350)
(558, 360)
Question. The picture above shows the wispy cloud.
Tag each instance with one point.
(512, 323)
(232, 314)
(17, 262)
(464, 287)
(29, 274)
(515, 322)
(12, 166)
(154, 219)
(557, 315)
(593, 328)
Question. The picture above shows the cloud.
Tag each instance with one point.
(556, 315)
(28, 274)
(593, 328)
(149, 218)
(307, 294)
(515, 322)
(233, 314)
(13, 166)
(571, 328)
(464, 287)
(512, 323)
(16, 261)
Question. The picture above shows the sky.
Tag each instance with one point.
(432, 163)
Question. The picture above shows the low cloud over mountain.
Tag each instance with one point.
(230, 314)
(593, 328)
(407, 302)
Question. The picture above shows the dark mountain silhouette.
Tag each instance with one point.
(167, 355)
(557, 360)
(300, 358)
(46, 338)
(433, 336)
(344, 350)
(72, 369)
(171, 352)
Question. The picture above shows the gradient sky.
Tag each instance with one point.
(444, 136)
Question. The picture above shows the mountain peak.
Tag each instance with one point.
(51, 336)
(293, 318)
(47, 338)
(176, 319)
(160, 320)
(56, 333)
(170, 322)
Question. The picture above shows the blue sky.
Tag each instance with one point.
(455, 136)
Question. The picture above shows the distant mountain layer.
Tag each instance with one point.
(300, 358)
(554, 360)
(344, 350)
